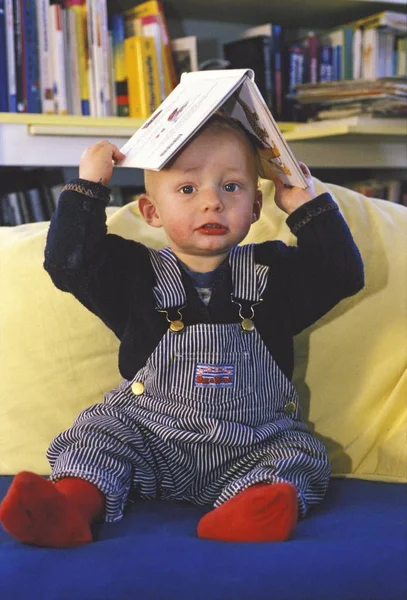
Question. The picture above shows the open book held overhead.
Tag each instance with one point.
(198, 96)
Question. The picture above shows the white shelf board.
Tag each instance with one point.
(59, 142)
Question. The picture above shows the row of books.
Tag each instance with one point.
(361, 51)
(31, 205)
(59, 56)
(36, 204)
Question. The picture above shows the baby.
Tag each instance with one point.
(206, 411)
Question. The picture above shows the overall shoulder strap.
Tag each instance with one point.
(169, 291)
(249, 279)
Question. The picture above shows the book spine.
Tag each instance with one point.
(121, 91)
(151, 28)
(31, 84)
(143, 83)
(401, 68)
(370, 53)
(78, 27)
(268, 71)
(58, 60)
(325, 64)
(347, 53)
(296, 62)
(13, 200)
(10, 52)
(34, 199)
(278, 83)
(104, 55)
(357, 53)
(44, 58)
(3, 60)
(148, 9)
(18, 56)
(24, 207)
(312, 46)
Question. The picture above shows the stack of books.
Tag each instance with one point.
(386, 97)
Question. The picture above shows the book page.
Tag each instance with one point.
(276, 158)
(183, 112)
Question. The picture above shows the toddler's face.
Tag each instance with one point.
(208, 199)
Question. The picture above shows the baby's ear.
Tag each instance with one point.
(258, 203)
(149, 211)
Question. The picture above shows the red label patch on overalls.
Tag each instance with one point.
(214, 376)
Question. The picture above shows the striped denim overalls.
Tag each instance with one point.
(209, 415)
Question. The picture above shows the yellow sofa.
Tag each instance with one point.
(56, 357)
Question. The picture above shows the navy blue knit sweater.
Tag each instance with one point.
(114, 279)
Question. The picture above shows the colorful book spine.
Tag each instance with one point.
(18, 57)
(121, 90)
(3, 60)
(78, 21)
(58, 58)
(325, 64)
(10, 53)
(31, 71)
(155, 8)
(142, 72)
(44, 57)
(277, 70)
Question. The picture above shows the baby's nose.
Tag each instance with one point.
(213, 198)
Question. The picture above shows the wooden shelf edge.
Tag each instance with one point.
(70, 120)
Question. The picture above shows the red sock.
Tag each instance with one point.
(37, 511)
(261, 513)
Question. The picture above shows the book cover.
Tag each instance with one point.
(199, 95)
(142, 76)
(254, 53)
(185, 53)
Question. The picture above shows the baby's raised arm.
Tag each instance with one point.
(96, 163)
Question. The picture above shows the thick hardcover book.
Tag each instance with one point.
(154, 9)
(142, 76)
(254, 53)
(198, 96)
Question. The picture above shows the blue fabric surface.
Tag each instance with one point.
(352, 547)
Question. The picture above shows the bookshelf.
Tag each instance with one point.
(54, 141)
(291, 13)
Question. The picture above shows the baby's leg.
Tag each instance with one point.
(261, 513)
(92, 469)
(269, 489)
(36, 511)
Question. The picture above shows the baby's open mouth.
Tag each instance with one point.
(212, 229)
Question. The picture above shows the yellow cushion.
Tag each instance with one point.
(57, 358)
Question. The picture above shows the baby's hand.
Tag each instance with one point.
(290, 198)
(96, 162)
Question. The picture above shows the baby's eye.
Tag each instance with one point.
(187, 189)
(232, 187)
